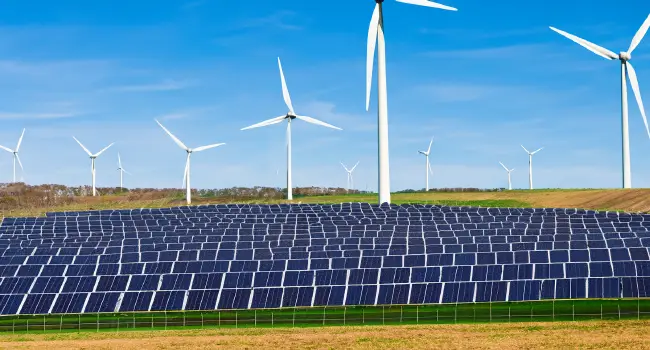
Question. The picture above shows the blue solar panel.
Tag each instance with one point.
(264, 256)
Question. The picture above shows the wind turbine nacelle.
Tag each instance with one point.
(290, 116)
(624, 56)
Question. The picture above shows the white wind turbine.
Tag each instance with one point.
(428, 165)
(530, 165)
(186, 173)
(626, 67)
(289, 117)
(92, 160)
(15, 153)
(509, 171)
(350, 181)
(376, 38)
(121, 170)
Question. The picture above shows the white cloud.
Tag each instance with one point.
(165, 85)
(22, 116)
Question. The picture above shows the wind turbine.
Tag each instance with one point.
(509, 171)
(121, 170)
(92, 160)
(428, 165)
(530, 166)
(289, 117)
(376, 38)
(186, 173)
(350, 181)
(15, 153)
(626, 67)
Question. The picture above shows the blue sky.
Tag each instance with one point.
(482, 81)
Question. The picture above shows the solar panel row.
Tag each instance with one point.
(253, 256)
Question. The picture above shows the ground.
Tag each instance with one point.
(573, 335)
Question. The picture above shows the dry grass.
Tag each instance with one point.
(635, 200)
(560, 335)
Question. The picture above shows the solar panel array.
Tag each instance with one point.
(269, 256)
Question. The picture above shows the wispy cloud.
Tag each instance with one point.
(22, 116)
(280, 19)
(499, 52)
(166, 85)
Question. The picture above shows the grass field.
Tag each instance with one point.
(634, 200)
(560, 335)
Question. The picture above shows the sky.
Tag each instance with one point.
(481, 81)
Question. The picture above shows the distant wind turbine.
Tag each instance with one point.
(350, 182)
(376, 40)
(121, 170)
(530, 165)
(509, 171)
(289, 117)
(428, 165)
(92, 160)
(626, 67)
(15, 153)
(186, 173)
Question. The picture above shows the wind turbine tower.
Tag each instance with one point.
(427, 169)
(509, 171)
(376, 41)
(530, 165)
(92, 160)
(626, 71)
(350, 182)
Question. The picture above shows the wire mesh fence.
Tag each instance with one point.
(540, 311)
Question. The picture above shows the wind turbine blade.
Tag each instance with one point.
(317, 122)
(598, 50)
(178, 142)
(20, 140)
(427, 3)
(370, 54)
(105, 148)
(430, 143)
(522, 146)
(6, 149)
(344, 167)
(266, 122)
(354, 167)
(82, 146)
(429, 165)
(126, 172)
(504, 167)
(285, 90)
(119, 161)
(637, 93)
(639, 35)
(538, 150)
(422, 152)
(19, 162)
(203, 148)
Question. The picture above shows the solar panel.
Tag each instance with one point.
(266, 256)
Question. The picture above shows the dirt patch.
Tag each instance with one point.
(584, 335)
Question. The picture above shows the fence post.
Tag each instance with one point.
(601, 309)
(383, 315)
(618, 306)
(201, 320)
(363, 316)
(344, 311)
(61, 324)
(456, 313)
(165, 320)
(255, 317)
(323, 316)
(401, 314)
(118, 324)
(28, 325)
(293, 322)
(236, 320)
(134, 320)
(79, 329)
(43, 323)
(509, 318)
(97, 321)
(490, 311)
(219, 319)
(638, 309)
(553, 309)
(573, 310)
(13, 326)
(272, 322)
(437, 315)
(417, 314)
(152, 321)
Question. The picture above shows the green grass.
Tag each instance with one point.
(561, 310)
